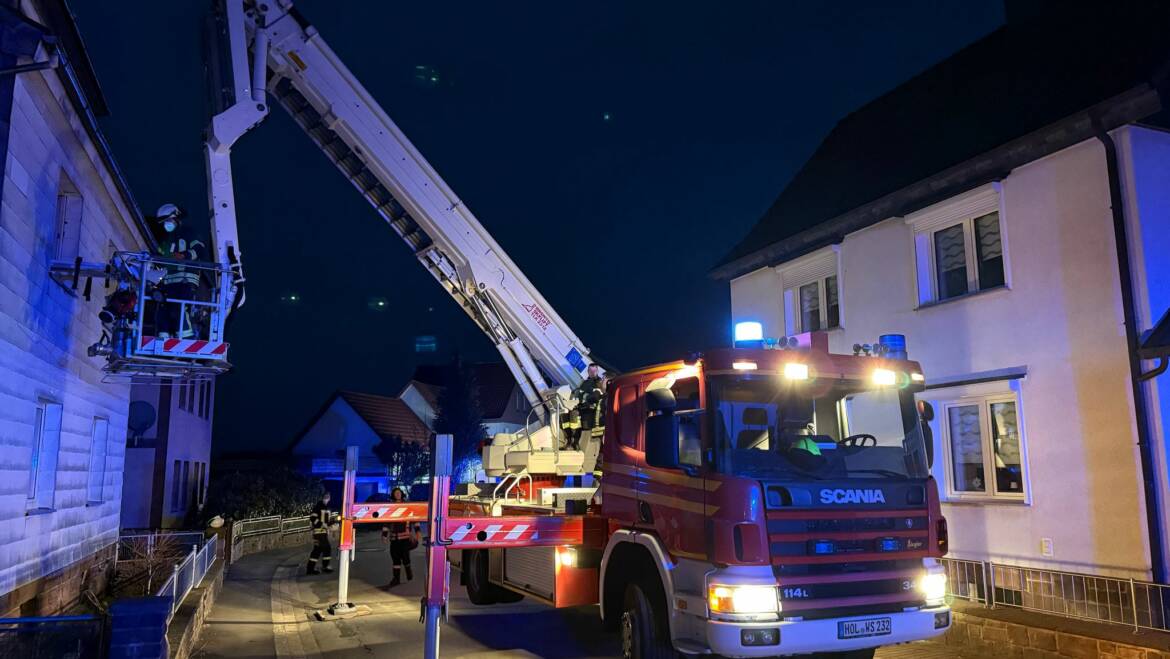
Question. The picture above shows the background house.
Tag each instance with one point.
(350, 418)
(168, 451)
(501, 402)
(62, 428)
(1008, 211)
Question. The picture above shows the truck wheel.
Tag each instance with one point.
(480, 590)
(643, 626)
(475, 568)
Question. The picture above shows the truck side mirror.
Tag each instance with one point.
(662, 441)
(926, 414)
(660, 400)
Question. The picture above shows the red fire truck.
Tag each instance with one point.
(753, 502)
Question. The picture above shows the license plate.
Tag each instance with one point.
(860, 628)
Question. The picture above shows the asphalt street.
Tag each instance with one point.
(266, 611)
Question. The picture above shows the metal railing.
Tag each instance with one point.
(137, 546)
(1111, 600)
(189, 573)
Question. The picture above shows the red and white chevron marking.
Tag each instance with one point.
(550, 530)
(182, 347)
(389, 512)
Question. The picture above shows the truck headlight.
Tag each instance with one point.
(933, 587)
(742, 599)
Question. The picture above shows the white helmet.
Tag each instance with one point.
(168, 212)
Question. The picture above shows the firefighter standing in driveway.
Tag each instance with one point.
(322, 551)
(402, 536)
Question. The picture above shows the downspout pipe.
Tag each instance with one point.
(1140, 410)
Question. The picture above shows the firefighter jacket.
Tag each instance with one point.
(320, 518)
(181, 244)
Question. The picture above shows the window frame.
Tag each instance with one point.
(991, 491)
(817, 268)
(961, 210)
(823, 305)
(45, 451)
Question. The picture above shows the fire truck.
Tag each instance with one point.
(764, 499)
(755, 501)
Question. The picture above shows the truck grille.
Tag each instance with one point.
(848, 562)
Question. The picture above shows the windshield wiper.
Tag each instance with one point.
(881, 472)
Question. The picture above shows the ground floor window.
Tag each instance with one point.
(983, 444)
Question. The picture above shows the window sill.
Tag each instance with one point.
(960, 298)
(31, 512)
(986, 501)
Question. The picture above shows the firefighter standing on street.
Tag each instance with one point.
(177, 242)
(322, 551)
(402, 537)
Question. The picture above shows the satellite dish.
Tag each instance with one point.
(142, 416)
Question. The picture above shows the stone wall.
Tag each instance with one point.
(1036, 636)
(258, 543)
(60, 591)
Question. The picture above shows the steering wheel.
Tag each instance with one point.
(861, 440)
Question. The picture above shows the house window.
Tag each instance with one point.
(46, 440)
(984, 447)
(960, 246)
(68, 233)
(812, 297)
(97, 460)
(176, 486)
(968, 257)
(817, 306)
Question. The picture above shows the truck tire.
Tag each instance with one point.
(475, 569)
(480, 590)
(644, 628)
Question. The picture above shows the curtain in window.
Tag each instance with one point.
(950, 261)
(966, 448)
(833, 312)
(810, 307)
(989, 248)
(1005, 435)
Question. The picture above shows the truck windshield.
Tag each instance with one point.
(768, 427)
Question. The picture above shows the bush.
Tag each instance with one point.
(278, 491)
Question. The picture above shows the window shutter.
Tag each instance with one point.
(47, 469)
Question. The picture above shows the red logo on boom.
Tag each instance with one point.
(538, 315)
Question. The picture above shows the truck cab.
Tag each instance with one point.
(766, 501)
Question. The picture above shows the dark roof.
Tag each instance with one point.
(494, 384)
(1155, 343)
(388, 417)
(1008, 85)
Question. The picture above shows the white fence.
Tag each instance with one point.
(189, 573)
(1129, 602)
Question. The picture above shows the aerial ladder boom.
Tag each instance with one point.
(271, 43)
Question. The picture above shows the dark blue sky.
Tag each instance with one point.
(712, 108)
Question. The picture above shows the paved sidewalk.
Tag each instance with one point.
(265, 612)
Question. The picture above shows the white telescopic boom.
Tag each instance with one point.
(350, 127)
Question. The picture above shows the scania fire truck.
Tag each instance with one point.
(760, 500)
(753, 503)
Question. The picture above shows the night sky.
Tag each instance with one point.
(616, 150)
